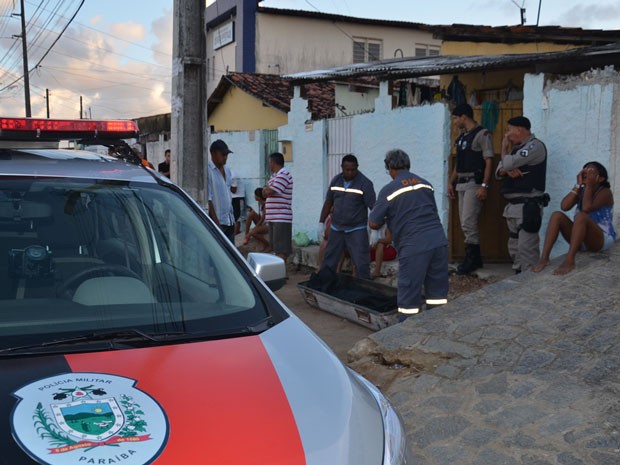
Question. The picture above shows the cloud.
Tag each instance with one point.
(95, 20)
(129, 30)
(162, 29)
(115, 78)
(591, 16)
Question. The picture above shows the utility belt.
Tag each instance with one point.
(532, 214)
(477, 177)
(542, 200)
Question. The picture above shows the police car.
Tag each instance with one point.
(133, 332)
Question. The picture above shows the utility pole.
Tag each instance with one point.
(81, 109)
(25, 60)
(47, 102)
(189, 109)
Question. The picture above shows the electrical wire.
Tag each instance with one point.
(51, 46)
(366, 49)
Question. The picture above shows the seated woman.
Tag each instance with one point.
(592, 228)
(382, 251)
(260, 230)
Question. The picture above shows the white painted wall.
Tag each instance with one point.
(303, 44)
(577, 119)
(246, 160)
(155, 150)
(354, 102)
(422, 132)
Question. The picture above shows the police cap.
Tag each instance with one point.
(463, 109)
(520, 121)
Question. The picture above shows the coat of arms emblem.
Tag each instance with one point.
(91, 417)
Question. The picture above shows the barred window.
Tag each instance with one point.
(365, 50)
(423, 50)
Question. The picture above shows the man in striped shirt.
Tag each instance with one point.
(278, 206)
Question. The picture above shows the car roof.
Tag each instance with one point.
(67, 163)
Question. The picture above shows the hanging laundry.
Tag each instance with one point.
(490, 114)
(410, 101)
(456, 91)
(402, 94)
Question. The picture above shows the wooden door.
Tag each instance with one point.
(493, 229)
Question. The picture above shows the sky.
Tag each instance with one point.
(116, 55)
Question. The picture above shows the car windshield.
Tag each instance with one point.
(89, 256)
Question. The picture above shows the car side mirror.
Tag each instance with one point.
(269, 268)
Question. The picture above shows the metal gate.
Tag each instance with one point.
(338, 143)
(270, 138)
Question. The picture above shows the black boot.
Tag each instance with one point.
(473, 260)
(477, 258)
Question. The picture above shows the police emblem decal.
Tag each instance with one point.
(90, 418)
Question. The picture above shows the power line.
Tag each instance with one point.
(51, 46)
(123, 40)
(64, 69)
(366, 48)
(106, 68)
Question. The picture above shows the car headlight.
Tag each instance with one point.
(396, 449)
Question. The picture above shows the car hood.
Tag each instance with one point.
(278, 398)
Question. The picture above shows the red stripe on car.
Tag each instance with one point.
(224, 401)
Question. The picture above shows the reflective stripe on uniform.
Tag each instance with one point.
(344, 189)
(408, 311)
(408, 189)
(436, 301)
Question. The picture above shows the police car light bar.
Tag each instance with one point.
(47, 129)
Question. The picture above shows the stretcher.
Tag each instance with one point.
(365, 302)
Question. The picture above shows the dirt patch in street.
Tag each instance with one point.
(349, 340)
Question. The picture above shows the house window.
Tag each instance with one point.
(423, 50)
(365, 50)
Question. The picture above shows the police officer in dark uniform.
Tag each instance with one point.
(349, 197)
(523, 172)
(470, 180)
(408, 206)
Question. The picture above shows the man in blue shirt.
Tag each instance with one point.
(407, 205)
(350, 196)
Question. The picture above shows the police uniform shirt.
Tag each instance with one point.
(350, 203)
(531, 152)
(483, 142)
(408, 205)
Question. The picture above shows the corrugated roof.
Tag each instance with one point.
(526, 34)
(471, 32)
(401, 68)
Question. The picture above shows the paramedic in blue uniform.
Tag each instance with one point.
(469, 181)
(523, 171)
(349, 197)
(408, 206)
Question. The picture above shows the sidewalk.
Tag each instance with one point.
(523, 371)
(308, 257)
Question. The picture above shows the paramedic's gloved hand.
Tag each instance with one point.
(375, 235)
(320, 232)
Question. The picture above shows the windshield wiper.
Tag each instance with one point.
(122, 335)
(132, 335)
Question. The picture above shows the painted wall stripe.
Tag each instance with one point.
(223, 399)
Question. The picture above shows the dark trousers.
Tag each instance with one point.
(229, 231)
(428, 268)
(356, 242)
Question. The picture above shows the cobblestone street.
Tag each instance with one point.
(523, 371)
